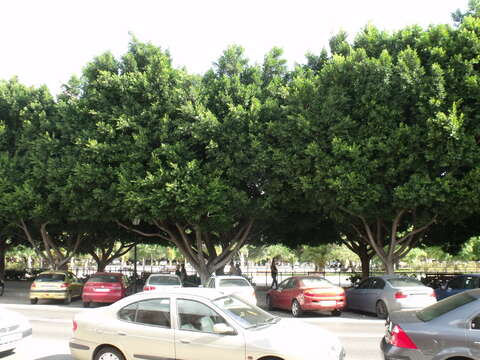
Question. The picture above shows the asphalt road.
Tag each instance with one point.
(52, 328)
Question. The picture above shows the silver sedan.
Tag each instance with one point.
(383, 294)
(195, 324)
(447, 330)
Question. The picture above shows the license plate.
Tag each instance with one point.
(10, 338)
(328, 303)
(101, 290)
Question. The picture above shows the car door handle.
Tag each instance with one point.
(185, 341)
(121, 333)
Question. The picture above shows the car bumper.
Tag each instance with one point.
(48, 294)
(411, 305)
(12, 340)
(322, 305)
(391, 352)
(101, 297)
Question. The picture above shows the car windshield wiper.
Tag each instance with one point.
(272, 320)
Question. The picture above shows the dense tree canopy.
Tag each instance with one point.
(372, 144)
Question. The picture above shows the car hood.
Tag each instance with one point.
(293, 338)
(10, 318)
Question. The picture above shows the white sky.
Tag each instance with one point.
(47, 41)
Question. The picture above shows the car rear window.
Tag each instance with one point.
(233, 283)
(315, 282)
(104, 279)
(446, 305)
(50, 278)
(164, 280)
(404, 281)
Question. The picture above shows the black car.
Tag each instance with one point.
(2, 287)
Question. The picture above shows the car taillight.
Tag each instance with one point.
(33, 286)
(400, 295)
(148, 288)
(432, 294)
(399, 338)
(64, 285)
(75, 326)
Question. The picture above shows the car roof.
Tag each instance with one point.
(107, 273)
(395, 276)
(229, 277)
(55, 272)
(163, 274)
(206, 293)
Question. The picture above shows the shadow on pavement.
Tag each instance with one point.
(56, 357)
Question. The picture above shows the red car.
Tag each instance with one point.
(307, 293)
(104, 287)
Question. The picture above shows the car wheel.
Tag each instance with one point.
(109, 353)
(269, 303)
(381, 310)
(68, 298)
(33, 301)
(336, 312)
(296, 309)
(86, 304)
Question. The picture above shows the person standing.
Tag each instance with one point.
(274, 273)
(183, 272)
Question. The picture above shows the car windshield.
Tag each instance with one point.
(50, 278)
(233, 282)
(164, 280)
(404, 282)
(315, 282)
(442, 307)
(104, 279)
(246, 315)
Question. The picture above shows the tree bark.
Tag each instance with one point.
(198, 247)
(3, 250)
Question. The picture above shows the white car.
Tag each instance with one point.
(162, 281)
(195, 324)
(13, 329)
(231, 284)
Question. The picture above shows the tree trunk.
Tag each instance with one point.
(365, 263)
(389, 267)
(3, 249)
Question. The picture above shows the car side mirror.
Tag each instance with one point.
(223, 329)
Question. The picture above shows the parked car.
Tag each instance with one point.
(13, 329)
(2, 287)
(307, 293)
(458, 284)
(446, 330)
(195, 324)
(104, 287)
(383, 294)
(233, 284)
(162, 281)
(59, 285)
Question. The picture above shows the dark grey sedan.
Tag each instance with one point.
(446, 330)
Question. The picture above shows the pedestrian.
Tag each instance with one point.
(232, 269)
(183, 272)
(274, 273)
(238, 270)
(178, 271)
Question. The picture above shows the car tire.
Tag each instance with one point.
(86, 304)
(381, 309)
(336, 312)
(68, 298)
(296, 309)
(269, 303)
(33, 301)
(109, 353)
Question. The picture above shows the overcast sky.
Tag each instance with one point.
(47, 41)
